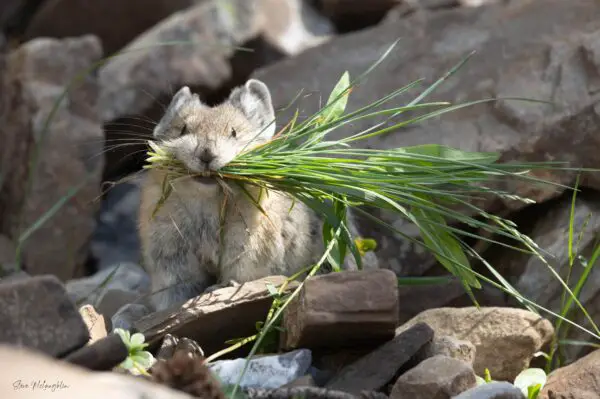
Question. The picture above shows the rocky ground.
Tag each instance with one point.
(350, 334)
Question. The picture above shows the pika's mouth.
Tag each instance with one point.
(205, 178)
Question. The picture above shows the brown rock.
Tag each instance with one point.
(505, 339)
(375, 370)
(212, 29)
(94, 322)
(579, 380)
(172, 344)
(437, 377)
(343, 309)
(37, 313)
(69, 162)
(213, 318)
(115, 22)
(451, 347)
(29, 375)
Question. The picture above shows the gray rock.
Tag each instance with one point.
(215, 27)
(115, 22)
(129, 314)
(375, 370)
(492, 390)
(516, 55)
(115, 239)
(265, 371)
(111, 300)
(37, 313)
(126, 276)
(437, 377)
(69, 168)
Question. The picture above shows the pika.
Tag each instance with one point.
(206, 235)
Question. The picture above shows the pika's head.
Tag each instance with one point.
(207, 138)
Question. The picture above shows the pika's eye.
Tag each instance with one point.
(233, 133)
(184, 130)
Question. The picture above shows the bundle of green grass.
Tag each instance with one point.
(424, 184)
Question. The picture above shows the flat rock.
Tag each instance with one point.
(271, 371)
(125, 276)
(94, 322)
(438, 377)
(493, 390)
(451, 347)
(579, 380)
(375, 370)
(213, 318)
(212, 30)
(37, 313)
(30, 375)
(114, 22)
(70, 163)
(343, 309)
(505, 339)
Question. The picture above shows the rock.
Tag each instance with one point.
(94, 323)
(213, 318)
(7, 256)
(30, 375)
(112, 300)
(70, 162)
(304, 381)
(126, 317)
(292, 26)
(493, 390)
(115, 239)
(115, 23)
(375, 370)
(11, 12)
(126, 276)
(505, 339)
(343, 309)
(451, 347)
(535, 281)
(103, 355)
(438, 377)
(37, 313)
(308, 393)
(171, 344)
(130, 83)
(265, 371)
(415, 299)
(356, 14)
(516, 56)
(578, 380)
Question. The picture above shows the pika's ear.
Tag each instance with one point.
(254, 100)
(173, 120)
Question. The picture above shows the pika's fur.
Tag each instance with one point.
(181, 245)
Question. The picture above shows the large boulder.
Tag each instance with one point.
(545, 50)
(51, 156)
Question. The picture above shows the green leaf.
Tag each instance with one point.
(336, 105)
(137, 340)
(531, 377)
(533, 391)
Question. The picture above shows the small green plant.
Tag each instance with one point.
(530, 381)
(139, 360)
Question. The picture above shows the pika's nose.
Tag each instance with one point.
(207, 156)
